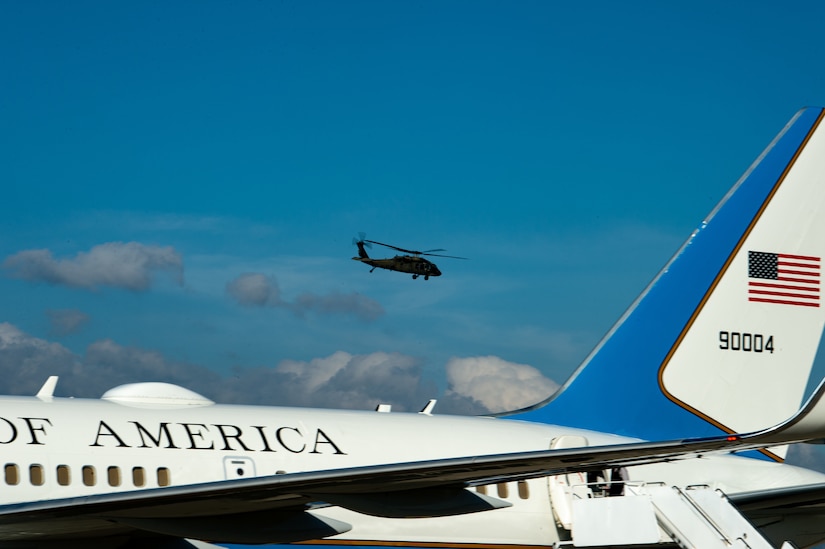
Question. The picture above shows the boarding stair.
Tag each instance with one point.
(646, 515)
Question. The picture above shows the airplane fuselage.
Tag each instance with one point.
(63, 448)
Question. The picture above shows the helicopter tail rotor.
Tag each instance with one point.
(362, 243)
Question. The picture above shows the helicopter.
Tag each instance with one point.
(412, 263)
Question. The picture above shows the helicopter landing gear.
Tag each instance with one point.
(415, 276)
(371, 270)
(426, 277)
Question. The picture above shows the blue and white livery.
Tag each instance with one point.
(638, 449)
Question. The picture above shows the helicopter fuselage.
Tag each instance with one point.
(415, 265)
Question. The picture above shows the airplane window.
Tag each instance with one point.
(63, 476)
(36, 475)
(89, 475)
(113, 474)
(481, 489)
(523, 489)
(12, 474)
(502, 490)
(163, 476)
(138, 476)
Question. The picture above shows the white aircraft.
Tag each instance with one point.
(712, 359)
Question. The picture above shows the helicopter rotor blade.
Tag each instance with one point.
(362, 240)
(394, 247)
(417, 252)
(442, 255)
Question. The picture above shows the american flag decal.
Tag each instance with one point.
(783, 278)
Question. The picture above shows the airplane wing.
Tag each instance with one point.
(796, 497)
(786, 510)
(289, 507)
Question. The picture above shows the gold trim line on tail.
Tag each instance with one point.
(716, 280)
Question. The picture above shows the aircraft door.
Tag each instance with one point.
(238, 467)
(564, 488)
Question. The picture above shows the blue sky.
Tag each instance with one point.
(155, 152)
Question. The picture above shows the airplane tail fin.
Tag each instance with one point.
(724, 338)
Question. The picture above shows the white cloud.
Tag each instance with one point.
(317, 372)
(12, 337)
(478, 385)
(26, 361)
(254, 289)
(128, 265)
(340, 380)
(354, 303)
(354, 381)
(259, 290)
(497, 384)
(66, 321)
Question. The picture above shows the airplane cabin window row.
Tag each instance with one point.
(503, 491)
(88, 475)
